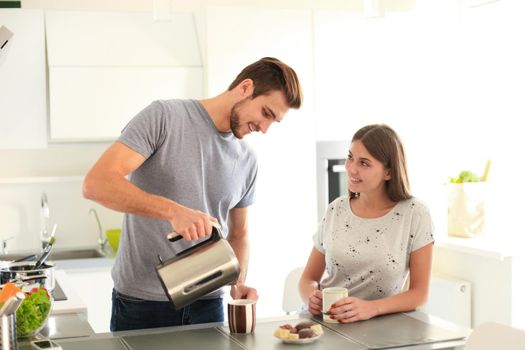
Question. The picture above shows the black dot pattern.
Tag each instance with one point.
(371, 257)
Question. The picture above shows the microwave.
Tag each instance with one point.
(332, 180)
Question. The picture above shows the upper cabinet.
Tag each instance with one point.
(104, 67)
(23, 81)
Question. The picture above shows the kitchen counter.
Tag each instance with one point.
(85, 264)
(481, 246)
(389, 331)
(72, 325)
(73, 304)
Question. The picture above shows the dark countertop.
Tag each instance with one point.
(395, 331)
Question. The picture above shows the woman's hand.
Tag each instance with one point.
(315, 302)
(351, 309)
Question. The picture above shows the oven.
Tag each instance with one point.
(332, 180)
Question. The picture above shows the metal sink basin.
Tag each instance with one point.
(69, 254)
(76, 254)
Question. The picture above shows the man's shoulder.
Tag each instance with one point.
(178, 110)
(250, 151)
(175, 103)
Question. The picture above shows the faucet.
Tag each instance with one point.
(3, 245)
(101, 240)
(44, 219)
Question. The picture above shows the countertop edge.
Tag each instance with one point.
(73, 304)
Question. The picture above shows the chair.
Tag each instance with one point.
(292, 301)
(496, 336)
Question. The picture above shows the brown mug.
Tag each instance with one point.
(241, 315)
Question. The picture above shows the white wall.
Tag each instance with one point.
(448, 78)
(58, 171)
(283, 218)
(20, 215)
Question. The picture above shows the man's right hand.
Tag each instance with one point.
(191, 224)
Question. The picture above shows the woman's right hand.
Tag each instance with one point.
(315, 302)
(192, 224)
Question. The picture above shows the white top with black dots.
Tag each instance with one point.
(371, 257)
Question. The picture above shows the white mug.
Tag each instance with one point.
(330, 296)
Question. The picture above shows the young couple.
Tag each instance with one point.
(181, 165)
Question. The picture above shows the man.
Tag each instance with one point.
(188, 167)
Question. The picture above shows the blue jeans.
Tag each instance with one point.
(129, 313)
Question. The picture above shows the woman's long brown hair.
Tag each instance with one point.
(383, 143)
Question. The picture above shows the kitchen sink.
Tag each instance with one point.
(67, 254)
(76, 254)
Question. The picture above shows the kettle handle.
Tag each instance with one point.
(216, 233)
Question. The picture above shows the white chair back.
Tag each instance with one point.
(292, 301)
(492, 336)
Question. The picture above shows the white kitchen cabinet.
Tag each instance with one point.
(496, 275)
(284, 215)
(100, 107)
(105, 67)
(23, 81)
(94, 287)
(74, 304)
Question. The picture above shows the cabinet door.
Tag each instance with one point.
(100, 107)
(94, 287)
(22, 81)
(278, 222)
(101, 76)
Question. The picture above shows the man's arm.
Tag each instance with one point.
(106, 183)
(238, 238)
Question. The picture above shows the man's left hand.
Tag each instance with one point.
(241, 291)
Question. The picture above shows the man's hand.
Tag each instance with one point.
(241, 291)
(191, 224)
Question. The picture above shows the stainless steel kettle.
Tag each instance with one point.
(198, 270)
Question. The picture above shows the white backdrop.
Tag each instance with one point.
(448, 78)
(284, 217)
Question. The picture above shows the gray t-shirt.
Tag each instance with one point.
(189, 161)
(370, 257)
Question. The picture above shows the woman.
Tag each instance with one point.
(373, 239)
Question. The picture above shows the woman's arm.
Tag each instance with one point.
(309, 283)
(417, 293)
(353, 309)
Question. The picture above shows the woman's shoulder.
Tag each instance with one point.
(339, 202)
(415, 205)
(335, 206)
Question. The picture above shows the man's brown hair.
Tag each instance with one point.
(269, 74)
